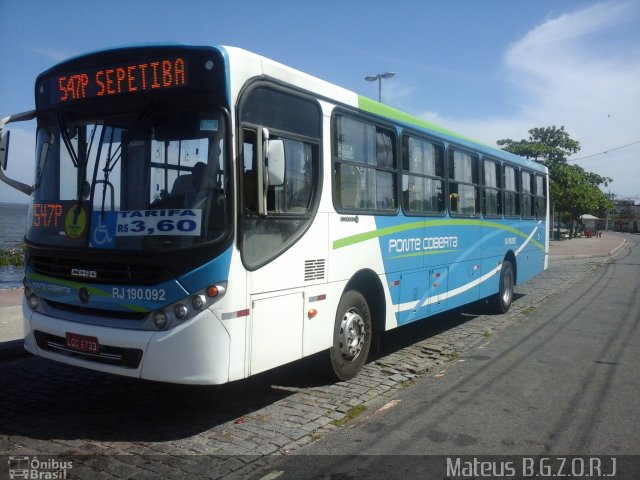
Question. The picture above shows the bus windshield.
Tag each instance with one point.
(150, 180)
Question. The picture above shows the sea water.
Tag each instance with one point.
(13, 219)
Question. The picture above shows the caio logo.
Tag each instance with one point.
(83, 273)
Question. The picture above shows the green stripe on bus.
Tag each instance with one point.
(361, 237)
(92, 290)
(382, 232)
(376, 108)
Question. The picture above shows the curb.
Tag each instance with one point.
(615, 251)
(12, 349)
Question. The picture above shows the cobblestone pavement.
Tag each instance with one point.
(114, 427)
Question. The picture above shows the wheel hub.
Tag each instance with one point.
(507, 283)
(352, 334)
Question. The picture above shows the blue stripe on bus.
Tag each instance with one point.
(436, 265)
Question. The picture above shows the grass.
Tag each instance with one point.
(452, 356)
(407, 383)
(12, 256)
(350, 414)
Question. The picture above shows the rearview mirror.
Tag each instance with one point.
(4, 149)
(275, 162)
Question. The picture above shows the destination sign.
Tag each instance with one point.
(47, 215)
(119, 79)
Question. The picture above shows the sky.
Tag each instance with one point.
(488, 69)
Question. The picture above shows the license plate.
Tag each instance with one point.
(82, 343)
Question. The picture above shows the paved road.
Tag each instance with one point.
(135, 429)
(564, 380)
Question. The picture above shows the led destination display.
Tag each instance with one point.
(119, 79)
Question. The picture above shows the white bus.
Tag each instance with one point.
(203, 214)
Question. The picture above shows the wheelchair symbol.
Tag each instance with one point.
(101, 235)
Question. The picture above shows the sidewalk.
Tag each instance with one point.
(584, 247)
(11, 311)
(11, 333)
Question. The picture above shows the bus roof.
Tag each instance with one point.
(336, 94)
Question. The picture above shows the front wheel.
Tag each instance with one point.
(501, 302)
(351, 336)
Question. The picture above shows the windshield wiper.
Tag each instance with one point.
(64, 133)
(113, 157)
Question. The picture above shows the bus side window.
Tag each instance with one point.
(422, 176)
(464, 195)
(541, 197)
(528, 195)
(511, 192)
(295, 194)
(492, 182)
(365, 166)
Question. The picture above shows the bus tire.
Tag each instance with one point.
(352, 335)
(501, 302)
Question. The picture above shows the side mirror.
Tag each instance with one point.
(275, 162)
(4, 149)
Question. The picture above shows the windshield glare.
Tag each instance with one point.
(151, 182)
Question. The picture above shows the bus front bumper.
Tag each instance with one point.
(196, 352)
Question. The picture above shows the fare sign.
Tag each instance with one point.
(120, 79)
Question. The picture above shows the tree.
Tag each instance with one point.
(547, 144)
(573, 190)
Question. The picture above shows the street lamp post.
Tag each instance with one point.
(379, 77)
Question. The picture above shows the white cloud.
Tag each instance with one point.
(581, 70)
(51, 54)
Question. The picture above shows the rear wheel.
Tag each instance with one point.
(501, 302)
(351, 336)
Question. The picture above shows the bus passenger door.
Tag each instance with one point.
(278, 232)
(278, 239)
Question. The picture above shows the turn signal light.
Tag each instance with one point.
(213, 291)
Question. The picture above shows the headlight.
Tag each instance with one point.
(33, 301)
(181, 312)
(161, 319)
(185, 309)
(198, 301)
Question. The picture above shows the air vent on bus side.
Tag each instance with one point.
(314, 269)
